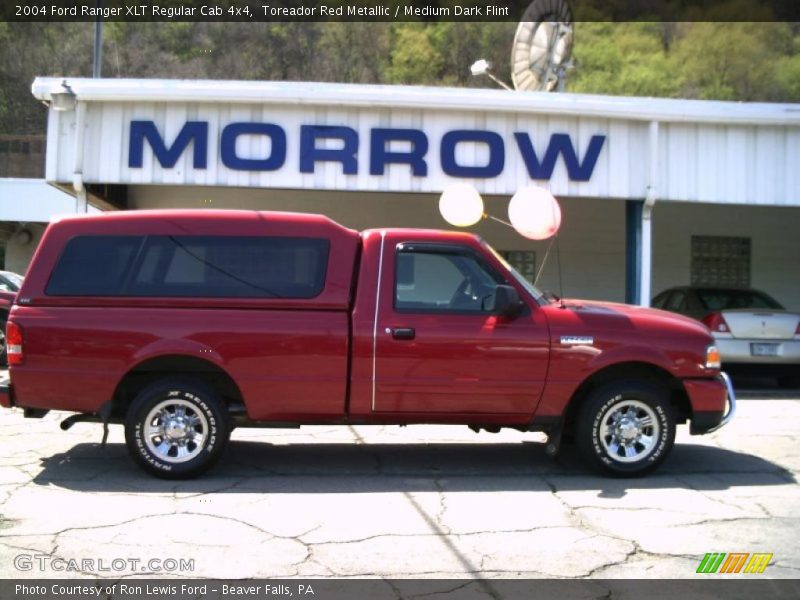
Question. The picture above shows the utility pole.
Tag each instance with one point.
(98, 43)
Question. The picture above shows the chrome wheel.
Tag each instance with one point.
(629, 431)
(175, 431)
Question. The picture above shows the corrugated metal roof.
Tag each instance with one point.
(417, 97)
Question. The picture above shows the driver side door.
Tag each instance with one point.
(440, 348)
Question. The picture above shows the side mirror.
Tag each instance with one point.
(507, 302)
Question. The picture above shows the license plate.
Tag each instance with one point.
(764, 349)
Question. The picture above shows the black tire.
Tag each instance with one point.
(626, 428)
(176, 428)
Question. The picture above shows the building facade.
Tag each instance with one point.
(654, 192)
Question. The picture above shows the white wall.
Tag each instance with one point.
(775, 244)
(32, 201)
(18, 256)
(592, 239)
(29, 204)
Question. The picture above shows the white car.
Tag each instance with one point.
(10, 282)
(754, 333)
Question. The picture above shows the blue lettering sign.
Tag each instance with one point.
(379, 156)
(560, 143)
(196, 131)
(310, 154)
(277, 155)
(380, 149)
(497, 153)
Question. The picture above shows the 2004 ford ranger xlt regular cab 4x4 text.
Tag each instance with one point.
(183, 325)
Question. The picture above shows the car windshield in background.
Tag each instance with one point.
(11, 280)
(731, 299)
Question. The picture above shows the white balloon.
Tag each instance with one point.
(534, 213)
(461, 205)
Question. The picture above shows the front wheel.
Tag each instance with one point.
(626, 429)
(176, 429)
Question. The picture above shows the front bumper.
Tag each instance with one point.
(706, 396)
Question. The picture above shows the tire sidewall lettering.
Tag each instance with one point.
(202, 406)
(663, 437)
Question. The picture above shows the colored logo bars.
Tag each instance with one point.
(735, 562)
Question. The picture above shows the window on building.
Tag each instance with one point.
(720, 260)
(524, 261)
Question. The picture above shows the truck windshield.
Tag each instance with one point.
(537, 294)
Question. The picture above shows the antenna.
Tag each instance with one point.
(542, 47)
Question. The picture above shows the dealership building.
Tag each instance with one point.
(654, 192)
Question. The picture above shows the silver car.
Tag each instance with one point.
(10, 282)
(754, 333)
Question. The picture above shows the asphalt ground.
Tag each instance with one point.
(391, 502)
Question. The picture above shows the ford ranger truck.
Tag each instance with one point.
(184, 324)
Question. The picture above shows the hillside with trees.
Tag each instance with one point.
(725, 61)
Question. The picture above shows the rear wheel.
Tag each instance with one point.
(176, 428)
(626, 429)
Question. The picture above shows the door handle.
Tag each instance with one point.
(403, 333)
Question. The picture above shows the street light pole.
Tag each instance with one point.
(98, 44)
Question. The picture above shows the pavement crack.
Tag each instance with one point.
(712, 498)
(634, 551)
(439, 518)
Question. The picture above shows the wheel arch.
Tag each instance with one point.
(175, 365)
(630, 370)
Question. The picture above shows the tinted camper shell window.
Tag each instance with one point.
(169, 266)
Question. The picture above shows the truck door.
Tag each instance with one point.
(438, 346)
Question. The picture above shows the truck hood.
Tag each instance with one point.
(612, 313)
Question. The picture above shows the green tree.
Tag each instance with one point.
(733, 61)
(351, 52)
(627, 59)
(414, 59)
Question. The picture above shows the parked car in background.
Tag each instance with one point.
(10, 282)
(754, 333)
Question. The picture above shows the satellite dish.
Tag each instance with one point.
(542, 46)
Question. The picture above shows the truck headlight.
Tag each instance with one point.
(713, 359)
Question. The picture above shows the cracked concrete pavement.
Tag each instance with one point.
(425, 501)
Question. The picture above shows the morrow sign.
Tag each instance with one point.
(386, 146)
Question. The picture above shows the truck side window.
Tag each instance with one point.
(442, 282)
(191, 266)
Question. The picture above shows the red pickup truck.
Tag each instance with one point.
(185, 324)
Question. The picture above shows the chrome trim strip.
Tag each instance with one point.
(375, 320)
(731, 403)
